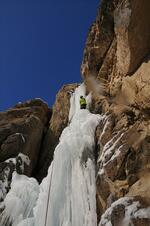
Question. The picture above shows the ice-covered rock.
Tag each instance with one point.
(67, 196)
(125, 212)
(20, 200)
(71, 176)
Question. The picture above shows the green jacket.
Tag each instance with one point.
(82, 101)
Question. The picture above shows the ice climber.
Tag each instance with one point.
(82, 102)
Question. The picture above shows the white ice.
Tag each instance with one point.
(68, 194)
(74, 100)
(20, 200)
(71, 177)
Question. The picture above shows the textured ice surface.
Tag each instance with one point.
(67, 195)
(71, 176)
(20, 200)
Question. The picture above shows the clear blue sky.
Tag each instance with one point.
(41, 46)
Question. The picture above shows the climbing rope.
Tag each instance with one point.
(48, 197)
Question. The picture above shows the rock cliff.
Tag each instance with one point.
(22, 133)
(116, 70)
(29, 133)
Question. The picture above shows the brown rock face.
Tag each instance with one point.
(58, 122)
(115, 69)
(99, 39)
(117, 45)
(27, 129)
(132, 31)
(61, 108)
(21, 131)
(29, 133)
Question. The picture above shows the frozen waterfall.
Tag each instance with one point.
(67, 196)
